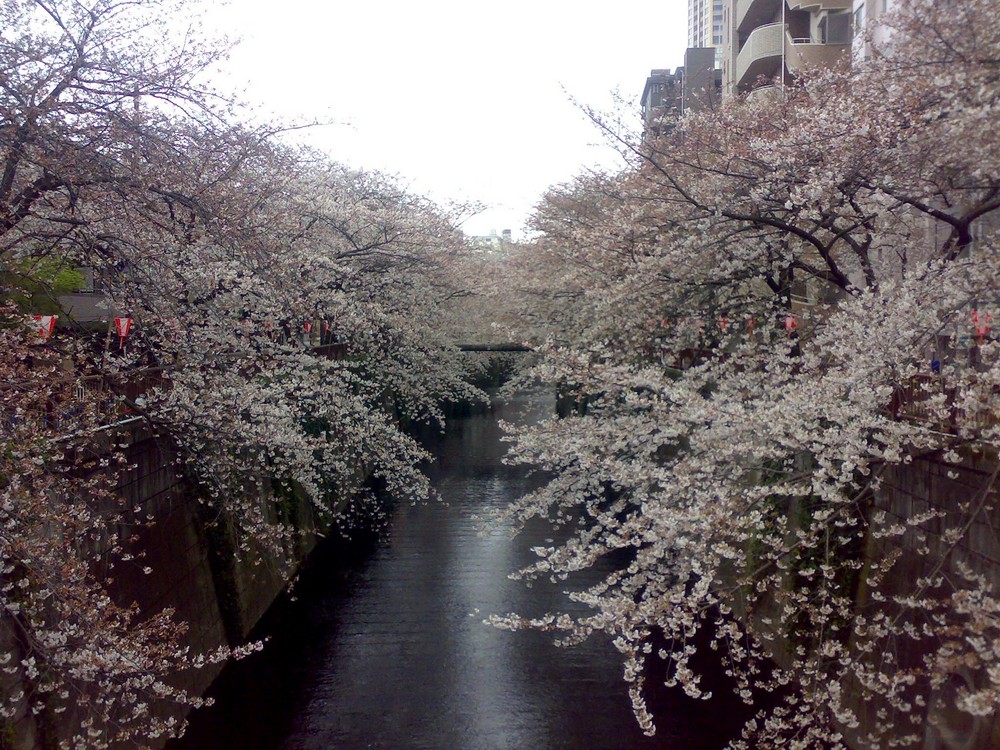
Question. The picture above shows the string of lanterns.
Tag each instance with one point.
(981, 321)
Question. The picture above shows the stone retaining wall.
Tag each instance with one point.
(964, 496)
(194, 572)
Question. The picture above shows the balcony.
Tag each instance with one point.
(802, 53)
(749, 14)
(769, 91)
(762, 53)
(814, 6)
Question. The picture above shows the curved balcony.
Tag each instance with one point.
(761, 55)
(749, 14)
(769, 91)
(814, 6)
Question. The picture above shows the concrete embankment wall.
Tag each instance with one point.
(195, 572)
(963, 497)
(948, 496)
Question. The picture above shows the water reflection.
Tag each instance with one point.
(382, 651)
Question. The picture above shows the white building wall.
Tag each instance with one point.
(869, 32)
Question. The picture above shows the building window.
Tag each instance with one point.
(835, 28)
(859, 18)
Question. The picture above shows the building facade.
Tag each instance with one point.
(493, 242)
(766, 41)
(661, 100)
(694, 87)
(702, 80)
(869, 31)
(705, 25)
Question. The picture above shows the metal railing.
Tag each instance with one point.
(930, 400)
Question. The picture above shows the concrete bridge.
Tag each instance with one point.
(495, 348)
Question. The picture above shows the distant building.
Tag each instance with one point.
(666, 96)
(705, 26)
(702, 84)
(492, 241)
(869, 30)
(661, 100)
(695, 86)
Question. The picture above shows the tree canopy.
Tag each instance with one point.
(243, 264)
(774, 307)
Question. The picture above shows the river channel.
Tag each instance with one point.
(384, 646)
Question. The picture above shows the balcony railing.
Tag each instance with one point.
(930, 400)
(802, 53)
(814, 6)
(765, 92)
(754, 12)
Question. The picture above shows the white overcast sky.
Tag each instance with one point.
(464, 100)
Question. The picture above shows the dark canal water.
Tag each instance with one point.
(382, 649)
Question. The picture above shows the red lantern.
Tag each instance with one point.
(307, 326)
(123, 326)
(791, 323)
(724, 323)
(46, 325)
(982, 323)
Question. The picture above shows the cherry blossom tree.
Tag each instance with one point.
(287, 325)
(348, 257)
(69, 649)
(223, 246)
(90, 96)
(761, 297)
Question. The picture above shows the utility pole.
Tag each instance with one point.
(784, 41)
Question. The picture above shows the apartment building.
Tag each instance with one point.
(661, 100)
(705, 26)
(666, 96)
(766, 41)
